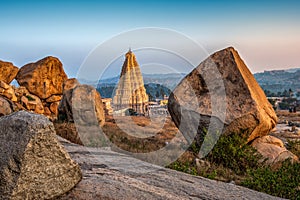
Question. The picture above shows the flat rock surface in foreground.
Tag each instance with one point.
(111, 175)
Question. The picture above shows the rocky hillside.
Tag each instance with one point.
(279, 80)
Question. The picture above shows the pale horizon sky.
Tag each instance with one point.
(265, 33)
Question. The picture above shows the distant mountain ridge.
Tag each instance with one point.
(169, 80)
(157, 85)
(292, 70)
(279, 80)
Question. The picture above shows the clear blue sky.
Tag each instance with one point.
(266, 33)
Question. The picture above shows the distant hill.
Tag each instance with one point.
(154, 90)
(279, 80)
(292, 70)
(168, 80)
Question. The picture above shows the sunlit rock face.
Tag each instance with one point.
(43, 78)
(8, 71)
(246, 108)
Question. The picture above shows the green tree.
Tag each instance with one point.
(291, 93)
(267, 93)
(279, 94)
(285, 93)
(157, 94)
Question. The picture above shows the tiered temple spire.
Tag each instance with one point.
(130, 92)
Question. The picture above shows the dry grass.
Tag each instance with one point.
(284, 115)
(139, 134)
(136, 134)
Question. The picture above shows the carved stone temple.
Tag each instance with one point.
(130, 92)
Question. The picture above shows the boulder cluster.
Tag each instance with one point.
(33, 163)
(40, 87)
(44, 88)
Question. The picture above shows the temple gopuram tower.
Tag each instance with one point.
(130, 92)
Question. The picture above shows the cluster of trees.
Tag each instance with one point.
(106, 91)
(155, 91)
(285, 93)
(289, 102)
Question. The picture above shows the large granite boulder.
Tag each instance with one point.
(33, 164)
(65, 107)
(247, 110)
(8, 71)
(81, 114)
(88, 105)
(43, 78)
(272, 150)
(5, 106)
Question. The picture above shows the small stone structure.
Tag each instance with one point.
(107, 106)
